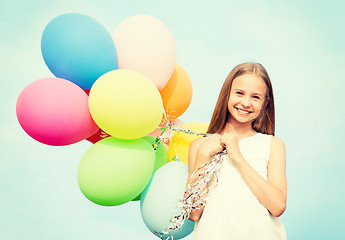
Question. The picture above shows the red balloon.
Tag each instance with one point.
(87, 91)
(99, 135)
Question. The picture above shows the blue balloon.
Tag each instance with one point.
(78, 48)
(159, 200)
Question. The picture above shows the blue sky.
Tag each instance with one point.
(301, 44)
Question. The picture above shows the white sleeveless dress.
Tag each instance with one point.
(232, 212)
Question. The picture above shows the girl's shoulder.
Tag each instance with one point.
(275, 141)
(197, 142)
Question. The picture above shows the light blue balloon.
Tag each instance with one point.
(159, 200)
(78, 48)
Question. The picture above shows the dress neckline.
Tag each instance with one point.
(249, 137)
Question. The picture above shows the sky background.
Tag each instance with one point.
(301, 44)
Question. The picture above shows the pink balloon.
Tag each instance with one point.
(145, 45)
(55, 111)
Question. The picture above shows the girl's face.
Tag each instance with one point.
(247, 98)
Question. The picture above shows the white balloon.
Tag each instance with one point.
(144, 44)
(159, 200)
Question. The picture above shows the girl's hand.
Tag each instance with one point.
(230, 141)
(212, 145)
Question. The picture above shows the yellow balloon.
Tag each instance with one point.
(179, 143)
(125, 104)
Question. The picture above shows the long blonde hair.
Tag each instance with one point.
(264, 123)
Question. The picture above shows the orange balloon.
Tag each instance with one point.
(177, 94)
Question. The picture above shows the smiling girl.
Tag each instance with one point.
(251, 191)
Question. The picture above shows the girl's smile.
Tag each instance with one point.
(243, 112)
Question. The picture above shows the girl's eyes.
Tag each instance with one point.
(241, 93)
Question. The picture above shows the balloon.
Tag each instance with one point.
(125, 104)
(78, 48)
(161, 156)
(144, 44)
(177, 94)
(180, 141)
(87, 91)
(113, 171)
(99, 135)
(55, 111)
(159, 200)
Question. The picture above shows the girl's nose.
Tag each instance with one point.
(245, 102)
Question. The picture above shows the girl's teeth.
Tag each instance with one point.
(242, 111)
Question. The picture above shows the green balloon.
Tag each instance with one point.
(161, 157)
(114, 171)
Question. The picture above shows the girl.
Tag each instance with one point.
(250, 192)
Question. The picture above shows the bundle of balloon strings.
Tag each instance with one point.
(196, 189)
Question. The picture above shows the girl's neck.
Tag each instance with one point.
(240, 129)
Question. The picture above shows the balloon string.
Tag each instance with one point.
(171, 128)
(175, 158)
(167, 115)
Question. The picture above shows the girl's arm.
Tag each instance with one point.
(200, 152)
(192, 166)
(273, 192)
